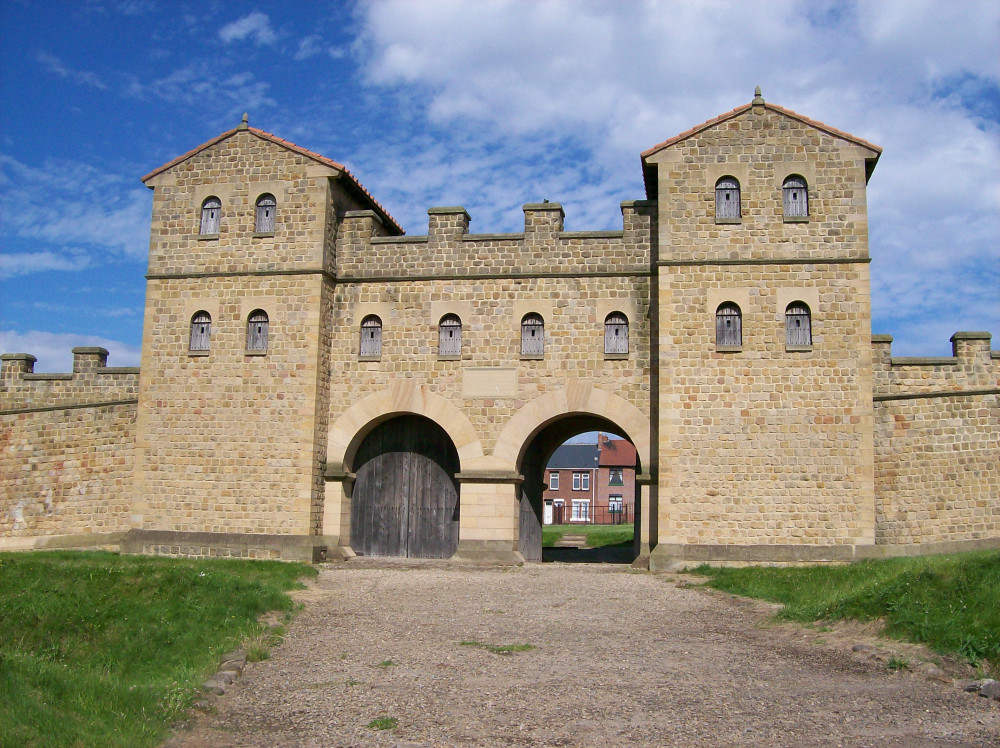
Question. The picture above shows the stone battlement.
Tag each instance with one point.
(92, 382)
(449, 250)
(973, 367)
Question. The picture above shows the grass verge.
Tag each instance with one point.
(951, 603)
(598, 536)
(101, 649)
(499, 648)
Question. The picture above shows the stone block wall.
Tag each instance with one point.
(937, 444)
(66, 452)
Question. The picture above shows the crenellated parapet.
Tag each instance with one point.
(973, 367)
(91, 383)
(449, 250)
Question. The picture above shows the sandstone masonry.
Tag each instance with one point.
(253, 436)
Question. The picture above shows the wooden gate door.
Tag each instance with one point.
(405, 500)
(530, 530)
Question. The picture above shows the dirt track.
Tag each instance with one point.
(621, 658)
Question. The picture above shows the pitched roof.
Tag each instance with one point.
(582, 456)
(617, 453)
(352, 182)
(742, 109)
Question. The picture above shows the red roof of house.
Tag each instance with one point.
(352, 181)
(617, 453)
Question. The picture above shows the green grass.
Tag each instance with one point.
(951, 603)
(383, 723)
(598, 536)
(108, 650)
(499, 648)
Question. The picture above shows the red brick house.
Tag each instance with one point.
(590, 483)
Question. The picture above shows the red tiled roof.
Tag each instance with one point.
(774, 107)
(617, 453)
(292, 147)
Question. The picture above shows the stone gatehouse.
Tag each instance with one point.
(315, 383)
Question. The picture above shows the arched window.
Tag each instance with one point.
(727, 200)
(798, 325)
(532, 335)
(266, 206)
(728, 326)
(371, 336)
(795, 198)
(211, 215)
(257, 330)
(201, 331)
(450, 336)
(616, 333)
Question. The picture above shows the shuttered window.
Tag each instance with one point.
(201, 331)
(798, 325)
(727, 199)
(257, 330)
(371, 336)
(795, 198)
(616, 333)
(266, 206)
(211, 215)
(728, 326)
(532, 334)
(450, 336)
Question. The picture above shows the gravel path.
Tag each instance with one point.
(620, 658)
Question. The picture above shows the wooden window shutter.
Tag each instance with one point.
(795, 198)
(201, 331)
(450, 336)
(727, 198)
(616, 333)
(371, 336)
(211, 215)
(257, 324)
(266, 207)
(798, 325)
(532, 334)
(728, 326)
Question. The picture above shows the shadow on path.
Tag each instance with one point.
(611, 554)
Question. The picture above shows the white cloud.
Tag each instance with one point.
(256, 25)
(55, 65)
(602, 82)
(54, 350)
(71, 208)
(201, 81)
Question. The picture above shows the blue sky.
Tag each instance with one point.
(488, 105)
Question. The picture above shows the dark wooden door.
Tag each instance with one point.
(530, 527)
(405, 500)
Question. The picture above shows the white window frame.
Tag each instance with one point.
(576, 481)
(615, 503)
(554, 480)
(621, 476)
(580, 511)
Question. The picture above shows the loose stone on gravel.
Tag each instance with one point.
(620, 658)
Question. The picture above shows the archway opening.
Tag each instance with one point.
(579, 500)
(405, 500)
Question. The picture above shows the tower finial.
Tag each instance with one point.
(758, 100)
(243, 122)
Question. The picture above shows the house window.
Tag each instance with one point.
(211, 215)
(371, 337)
(581, 510)
(201, 331)
(795, 199)
(532, 335)
(615, 503)
(727, 200)
(266, 207)
(257, 330)
(581, 481)
(616, 477)
(798, 325)
(553, 481)
(616, 333)
(728, 326)
(450, 336)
